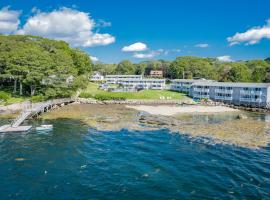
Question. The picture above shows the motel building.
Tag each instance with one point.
(184, 85)
(144, 84)
(136, 82)
(114, 79)
(245, 94)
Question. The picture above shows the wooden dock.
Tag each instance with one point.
(8, 128)
(33, 110)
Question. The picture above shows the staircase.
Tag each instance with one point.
(17, 122)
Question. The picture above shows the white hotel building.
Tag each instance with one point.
(246, 94)
(136, 82)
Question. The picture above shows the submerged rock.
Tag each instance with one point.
(241, 116)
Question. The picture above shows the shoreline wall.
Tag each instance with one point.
(135, 102)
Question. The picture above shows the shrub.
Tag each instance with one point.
(37, 98)
(86, 95)
(102, 97)
(4, 96)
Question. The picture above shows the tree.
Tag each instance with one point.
(192, 67)
(41, 66)
(82, 62)
(239, 73)
(125, 67)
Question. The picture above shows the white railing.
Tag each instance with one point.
(201, 89)
(248, 92)
(258, 100)
(35, 108)
(226, 91)
(223, 98)
(201, 96)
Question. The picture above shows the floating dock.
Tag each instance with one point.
(9, 128)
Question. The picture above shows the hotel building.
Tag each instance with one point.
(246, 94)
(136, 82)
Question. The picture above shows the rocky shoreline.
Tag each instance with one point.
(17, 107)
(136, 102)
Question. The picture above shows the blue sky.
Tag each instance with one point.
(168, 28)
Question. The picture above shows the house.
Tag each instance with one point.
(156, 73)
(97, 77)
(244, 94)
(53, 79)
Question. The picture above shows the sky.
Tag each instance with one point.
(139, 30)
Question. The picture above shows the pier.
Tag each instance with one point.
(33, 110)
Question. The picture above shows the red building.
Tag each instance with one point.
(156, 73)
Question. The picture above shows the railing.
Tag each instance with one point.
(258, 100)
(226, 91)
(201, 89)
(201, 96)
(223, 98)
(35, 108)
(248, 92)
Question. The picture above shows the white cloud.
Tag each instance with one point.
(138, 46)
(150, 54)
(225, 58)
(9, 20)
(203, 45)
(251, 36)
(72, 26)
(94, 59)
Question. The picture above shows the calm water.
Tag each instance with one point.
(75, 162)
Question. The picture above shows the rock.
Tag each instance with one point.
(242, 116)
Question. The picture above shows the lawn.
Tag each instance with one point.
(93, 91)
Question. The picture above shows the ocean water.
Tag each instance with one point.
(76, 162)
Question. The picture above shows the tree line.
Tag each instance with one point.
(31, 65)
(195, 67)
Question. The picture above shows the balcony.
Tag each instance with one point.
(258, 100)
(201, 90)
(223, 98)
(249, 92)
(223, 91)
(198, 96)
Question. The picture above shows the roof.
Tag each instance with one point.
(146, 79)
(191, 80)
(231, 84)
(115, 76)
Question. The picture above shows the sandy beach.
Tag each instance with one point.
(173, 110)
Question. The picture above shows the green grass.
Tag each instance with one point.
(93, 91)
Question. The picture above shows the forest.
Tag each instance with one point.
(195, 67)
(35, 66)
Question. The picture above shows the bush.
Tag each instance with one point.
(4, 96)
(37, 98)
(86, 95)
(102, 97)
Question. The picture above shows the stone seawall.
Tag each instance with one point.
(136, 102)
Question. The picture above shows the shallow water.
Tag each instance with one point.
(77, 162)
